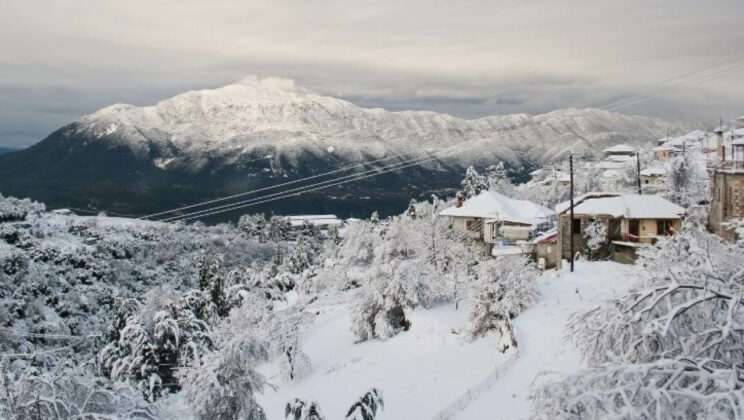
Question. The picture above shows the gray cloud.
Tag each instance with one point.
(469, 58)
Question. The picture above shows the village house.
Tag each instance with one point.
(653, 180)
(619, 152)
(631, 221)
(726, 188)
(498, 220)
(327, 223)
(544, 249)
(666, 151)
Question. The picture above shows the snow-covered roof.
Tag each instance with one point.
(620, 148)
(545, 236)
(492, 205)
(629, 206)
(666, 147)
(619, 158)
(316, 220)
(611, 173)
(738, 142)
(653, 172)
(499, 251)
(607, 164)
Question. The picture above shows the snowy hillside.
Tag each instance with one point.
(274, 114)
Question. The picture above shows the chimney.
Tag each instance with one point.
(459, 199)
(721, 146)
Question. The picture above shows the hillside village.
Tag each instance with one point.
(504, 301)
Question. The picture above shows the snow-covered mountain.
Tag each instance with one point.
(205, 143)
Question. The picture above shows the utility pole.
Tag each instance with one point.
(571, 194)
(638, 167)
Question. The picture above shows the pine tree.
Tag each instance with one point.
(473, 183)
(497, 178)
(411, 210)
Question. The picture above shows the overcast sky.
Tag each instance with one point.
(60, 60)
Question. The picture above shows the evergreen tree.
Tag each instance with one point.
(497, 178)
(411, 210)
(473, 183)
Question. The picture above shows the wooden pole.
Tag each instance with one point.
(638, 168)
(571, 194)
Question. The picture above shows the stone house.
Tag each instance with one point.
(499, 220)
(631, 221)
(727, 189)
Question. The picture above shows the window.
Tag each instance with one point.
(576, 227)
(472, 225)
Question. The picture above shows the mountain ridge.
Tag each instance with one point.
(204, 143)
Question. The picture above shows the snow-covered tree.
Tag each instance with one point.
(380, 305)
(503, 289)
(667, 389)
(595, 237)
(671, 348)
(298, 409)
(498, 180)
(12, 208)
(279, 228)
(225, 384)
(66, 391)
(367, 407)
(254, 226)
(411, 210)
(473, 183)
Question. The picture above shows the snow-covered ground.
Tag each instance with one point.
(543, 351)
(419, 372)
(423, 371)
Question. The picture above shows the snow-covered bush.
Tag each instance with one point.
(367, 407)
(504, 289)
(671, 348)
(225, 384)
(12, 208)
(303, 410)
(664, 389)
(688, 306)
(66, 391)
(595, 238)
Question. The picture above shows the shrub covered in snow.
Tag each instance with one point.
(302, 410)
(671, 348)
(367, 407)
(503, 289)
(225, 384)
(12, 208)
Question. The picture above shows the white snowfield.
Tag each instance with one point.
(430, 372)
(544, 354)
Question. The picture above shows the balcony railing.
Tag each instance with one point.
(729, 165)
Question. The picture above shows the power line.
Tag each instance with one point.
(660, 82)
(312, 189)
(302, 189)
(217, 200)
(705, 78)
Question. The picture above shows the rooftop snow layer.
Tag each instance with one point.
(492, 205)
(620, 148)
(629, 206)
